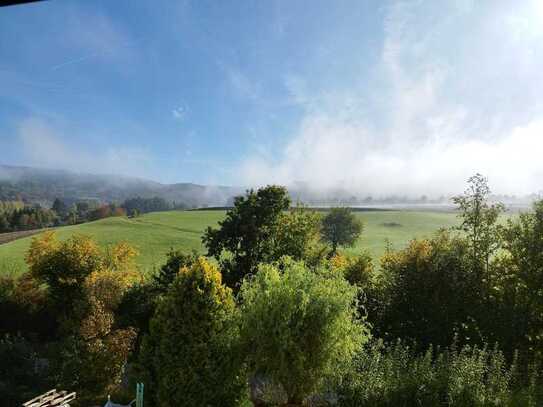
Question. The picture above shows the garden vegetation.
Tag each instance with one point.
(277, 314)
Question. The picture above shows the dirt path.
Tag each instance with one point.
(11, 236)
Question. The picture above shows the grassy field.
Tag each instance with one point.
(154, 233)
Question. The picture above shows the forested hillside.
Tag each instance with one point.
(36, 185)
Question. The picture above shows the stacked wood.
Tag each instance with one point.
(52, 398)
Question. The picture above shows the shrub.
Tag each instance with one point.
(299, 328)
(24, 307)
(357, 270)
(189, 358)
(176, 260)
(21, 376)
(395, 375)
(519, 277)
(430, 293)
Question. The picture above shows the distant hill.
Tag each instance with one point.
(38, 185)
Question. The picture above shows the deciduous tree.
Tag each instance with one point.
(479, 222)
(341, 227)
(248, 233)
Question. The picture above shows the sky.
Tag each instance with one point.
(382, 97)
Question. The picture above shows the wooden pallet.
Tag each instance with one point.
(52, 398)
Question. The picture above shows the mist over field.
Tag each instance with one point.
(331, 158)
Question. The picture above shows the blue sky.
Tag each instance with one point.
(384, 97)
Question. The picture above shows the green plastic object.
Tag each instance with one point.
(139, 394)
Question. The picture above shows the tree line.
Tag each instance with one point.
(16, 215)
(277, 314)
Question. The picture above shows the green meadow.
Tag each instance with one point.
(154, 234)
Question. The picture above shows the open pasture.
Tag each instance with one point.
(154, 234)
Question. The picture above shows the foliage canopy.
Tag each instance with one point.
(189, 357)
(341, 227)
(299, 328)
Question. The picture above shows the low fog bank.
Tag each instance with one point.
(41, 185)
(328, 158)
(342, 196)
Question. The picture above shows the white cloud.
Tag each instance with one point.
(328, 154)
(45, 146)
(441, 118)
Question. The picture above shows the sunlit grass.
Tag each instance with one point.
(154, 234)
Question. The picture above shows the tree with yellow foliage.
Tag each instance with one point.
(189, 357)
(85, 285)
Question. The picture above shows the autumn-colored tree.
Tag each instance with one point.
(94, 355)
(118, 211)
(63, 267)
(357, 270)
(85, 285)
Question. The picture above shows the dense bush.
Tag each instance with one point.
(189, 358)
(22, 372)
(175, 261)
(139, 302)
(299, 328)
(429, 292)
(136, 308)
(357, 270)
(24, 307)
(397, 375)
(517, 276)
